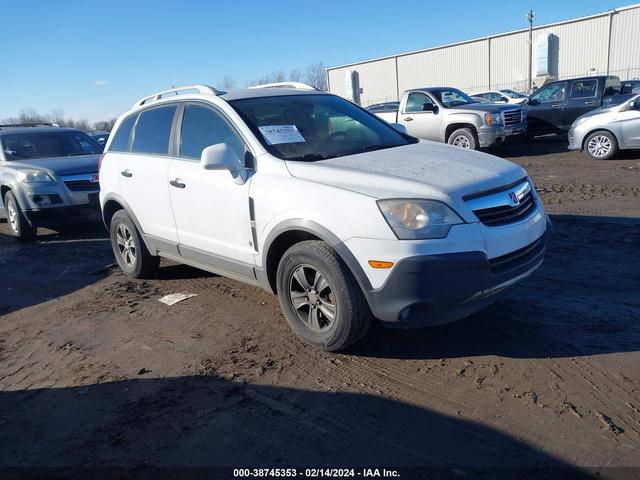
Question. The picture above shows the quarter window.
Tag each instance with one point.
(415, 102)
(202, 127)
(120, 142)
(153, 130)
(584, 89)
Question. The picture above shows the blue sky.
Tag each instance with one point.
(93, 59)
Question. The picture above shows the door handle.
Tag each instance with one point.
(589, 103)
(177, 184)
(408, 119)
(126, 173)
(556, 105)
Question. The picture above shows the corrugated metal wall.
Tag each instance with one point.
(585, 46)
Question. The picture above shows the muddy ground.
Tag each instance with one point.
(95, 371)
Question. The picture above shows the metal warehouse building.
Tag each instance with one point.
(605, 43)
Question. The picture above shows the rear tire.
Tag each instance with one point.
(320, 298)
(601, 145)
(463, 138)
(131, 253)
(20, 227)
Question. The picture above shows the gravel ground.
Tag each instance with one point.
(94, 371)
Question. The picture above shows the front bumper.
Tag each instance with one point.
(490, 136)
(575, 139)
(64, 214)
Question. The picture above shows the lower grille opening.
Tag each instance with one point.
(518, 258)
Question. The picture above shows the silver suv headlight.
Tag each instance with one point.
(418, 219)
(33, 176)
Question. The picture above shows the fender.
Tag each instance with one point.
(117, 198)
(325, 235)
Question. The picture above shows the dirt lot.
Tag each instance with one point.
(95, 371)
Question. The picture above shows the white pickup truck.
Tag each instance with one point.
(449, 115)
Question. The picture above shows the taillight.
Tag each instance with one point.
(100, 163)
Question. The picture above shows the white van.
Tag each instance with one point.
(315, 199)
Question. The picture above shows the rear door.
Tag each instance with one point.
(584, 96)
(144, 172)
(545, 108)
(418, 122)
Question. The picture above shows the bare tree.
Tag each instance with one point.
(295, 75)
(315, 75)
(228, 82)
(106, 125)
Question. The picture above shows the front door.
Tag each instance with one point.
(210, 207)
(144, 173)
(419, 122)
(545, 109)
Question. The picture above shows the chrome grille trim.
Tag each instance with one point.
(512, 117)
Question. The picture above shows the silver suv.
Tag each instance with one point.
(602, 132)
(48, 177)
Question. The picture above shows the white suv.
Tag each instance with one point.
(311, 197)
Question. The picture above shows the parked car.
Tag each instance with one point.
(501, 96)
(555, 106)
(628, 90)
(48, 177)
(602, 132)
(448, 115)
(384, 107)
(481, 100)
(342, 224)
(100, 136)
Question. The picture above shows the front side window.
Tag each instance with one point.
(203, 127)
(153, 131)
(120, 142)
(551, 93)
(416, 101)
(584, 89)
(313, 127)
(21, 146)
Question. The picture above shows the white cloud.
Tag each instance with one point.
(100, 83)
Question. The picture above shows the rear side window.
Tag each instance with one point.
(153, 130)
(120, 141)
(203, 127)
(584, 89)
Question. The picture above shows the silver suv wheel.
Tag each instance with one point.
(126, 245)
(599, 146)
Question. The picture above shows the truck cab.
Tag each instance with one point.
(555, 106)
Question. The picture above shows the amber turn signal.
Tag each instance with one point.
(380, 264)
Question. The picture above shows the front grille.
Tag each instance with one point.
(512, 117)
(516, 259)
(82, 185)
(506, 214)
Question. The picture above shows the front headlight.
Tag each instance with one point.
(33, 176)
(418, 219)
(492, 118)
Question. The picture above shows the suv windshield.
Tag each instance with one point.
(20, 146)
(451, 97)
(512, 93)
(315, 127)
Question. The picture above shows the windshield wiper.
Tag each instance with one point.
(311, 157)
(370, 148)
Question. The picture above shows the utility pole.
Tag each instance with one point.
(530, 16)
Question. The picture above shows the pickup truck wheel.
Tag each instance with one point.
(17, 221)
(463, 138)
(601, 145)
(319, 297)
(131, 253)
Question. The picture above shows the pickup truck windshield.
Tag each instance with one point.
(21, 146)
(451, 97)
(315, 127)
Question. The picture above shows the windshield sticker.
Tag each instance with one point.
(276, 134)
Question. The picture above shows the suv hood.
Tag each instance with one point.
(422, 170)
(75, 165)
(488, 107)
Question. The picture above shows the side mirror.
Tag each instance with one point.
(429, 107)
(399, 127)
(221, 157)
(532, 101)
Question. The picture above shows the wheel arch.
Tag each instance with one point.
(457, 125)
(594, 130)
(114, 203)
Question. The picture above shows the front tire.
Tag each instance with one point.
(17, 221)
(601, 145)
(463, 138)
(320, 299)
(131, 253)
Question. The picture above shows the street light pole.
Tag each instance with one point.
(530, 16)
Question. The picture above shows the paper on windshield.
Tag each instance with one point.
(276, 134)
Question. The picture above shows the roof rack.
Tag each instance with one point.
(36, 124)
(294, 85)
(202, 89)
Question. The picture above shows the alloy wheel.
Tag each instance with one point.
(599, 146)
(312, 298)
(12, 214)
(461, 141)
(126, 245)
